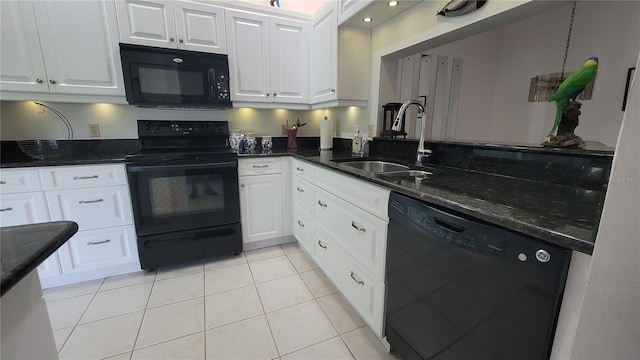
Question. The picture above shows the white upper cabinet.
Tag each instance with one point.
(324, 56)
(268, 58)
(181, 25)
(22, 68)
(65, 47)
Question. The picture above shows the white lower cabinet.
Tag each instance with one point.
(94, 196)
(97, 249)
(344, 236)
(264, 200)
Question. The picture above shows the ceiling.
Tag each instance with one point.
(380, 12)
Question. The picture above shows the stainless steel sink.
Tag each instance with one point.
(375, 166)
(408, 175)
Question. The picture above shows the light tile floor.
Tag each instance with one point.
(271, 303)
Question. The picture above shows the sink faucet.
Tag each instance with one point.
(422, 154)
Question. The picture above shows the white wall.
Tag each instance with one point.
(536, 45)
(609, 325)
(25, 120)
(499, 63)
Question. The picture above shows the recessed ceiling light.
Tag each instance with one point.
(367, 19)
(392, 3)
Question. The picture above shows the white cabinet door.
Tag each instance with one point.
(95, 249)
(79, 41)
(261, 207)
(21, 63)
(200, 27)
(324, 56)
(289, 43)
(147, 22)
(249, 56)
(92, 208)
(23, 208)
(19, 180)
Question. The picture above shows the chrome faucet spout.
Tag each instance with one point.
(422, 153)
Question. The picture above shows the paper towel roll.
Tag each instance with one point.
(326, 134)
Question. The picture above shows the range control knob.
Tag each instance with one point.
(543, 256)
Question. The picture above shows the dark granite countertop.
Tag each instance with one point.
(562, 215)
(25, 247)
(555, 212)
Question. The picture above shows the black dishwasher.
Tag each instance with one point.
(458, 288)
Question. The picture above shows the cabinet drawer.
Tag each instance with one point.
(303, 231)
(22, 209)
(369, 197)
(259, 166)
(19, 180)
(74, 177)
(92, 208)
(95, 249)
(363, 292)
(303, 169)
(302, 196)
(363, 235)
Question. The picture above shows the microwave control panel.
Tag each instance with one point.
(222, 86)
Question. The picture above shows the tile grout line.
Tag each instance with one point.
(144, 314)
(80, 318)
(264, 312)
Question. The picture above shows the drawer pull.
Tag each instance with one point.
(85, 177)
(7, 209)
(300, 223)
(90, 201)
(321, 244)
(300, 190)
(358, 227)
(322, 204)
(300, 169)
(360, 282)
(101, 242)
(2, 182)
(260, 166)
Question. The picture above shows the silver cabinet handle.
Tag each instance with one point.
(360, 282)
(300, 169)
(268, 94)
(333, 91)
(321, 244)
(52, 81)
(260, 166)
(2, 182)
(7, 209)
(85, 177)
(358, 227)
(300, 223)
(39, 81)
(300, 190)
(171, 39)
(275, 94)
(90, 201)
(101, 242)
(322, 204)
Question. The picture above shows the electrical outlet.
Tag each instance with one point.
(94, 130)
(370, 130)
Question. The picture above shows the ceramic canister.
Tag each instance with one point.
(234, 139)
(251, 140)
(267, 143)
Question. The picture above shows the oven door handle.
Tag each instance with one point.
(226, 164)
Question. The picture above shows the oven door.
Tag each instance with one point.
(169, 198)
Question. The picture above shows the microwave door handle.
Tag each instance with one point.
(212, 83)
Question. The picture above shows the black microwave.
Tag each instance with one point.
(175, 78)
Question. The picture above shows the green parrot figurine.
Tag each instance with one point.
(571, 87)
